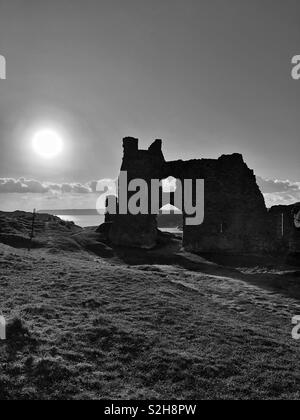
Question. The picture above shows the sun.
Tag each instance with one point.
(47, 144)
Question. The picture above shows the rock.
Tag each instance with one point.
(105, 228)
(134, 231)
(111, 204)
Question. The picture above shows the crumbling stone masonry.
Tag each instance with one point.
(236, 218)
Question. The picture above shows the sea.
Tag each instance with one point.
(87, 221)
(83, 220)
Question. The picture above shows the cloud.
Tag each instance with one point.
(21, 185)
(28, 202)
(74, 188)
(278, 192)
(31, 186)
(275, 191)
(277, 186)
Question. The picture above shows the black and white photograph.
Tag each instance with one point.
(149, 203)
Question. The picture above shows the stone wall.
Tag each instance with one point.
(235, 212)
(236, 219)
(284, 222)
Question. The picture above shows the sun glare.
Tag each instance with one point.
(47, 144)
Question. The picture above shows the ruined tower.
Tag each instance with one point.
(235, 215)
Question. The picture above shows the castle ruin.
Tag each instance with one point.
(236, 219)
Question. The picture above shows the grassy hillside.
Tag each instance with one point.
(140, 325)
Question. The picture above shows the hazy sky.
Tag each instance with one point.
(207, 76)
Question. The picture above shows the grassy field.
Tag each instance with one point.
(91, 329)
(85, 327)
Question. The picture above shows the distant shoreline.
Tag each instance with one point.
(71, 212)
(90, 217)
(87, 212)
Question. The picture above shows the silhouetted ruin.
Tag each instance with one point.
(236, 219)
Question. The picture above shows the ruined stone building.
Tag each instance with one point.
(236, 219)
